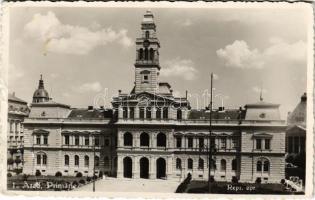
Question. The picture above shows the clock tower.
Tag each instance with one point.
(147, 65)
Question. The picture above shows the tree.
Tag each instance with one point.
(10, 161)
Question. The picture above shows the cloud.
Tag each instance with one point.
(89, 87)
(239, 55)
(69, 39)
(279, 53)
(177, 67)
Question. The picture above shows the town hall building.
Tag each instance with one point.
(149, 133)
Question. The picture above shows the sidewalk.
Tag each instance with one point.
(132, 185)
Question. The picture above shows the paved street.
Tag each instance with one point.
(132, 185)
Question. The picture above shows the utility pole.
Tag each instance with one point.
(94, 179)
(210, 133)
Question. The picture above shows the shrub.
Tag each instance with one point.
(234, 179)
(37, 173)
(100, 174)
(9, 175)
(82, 181)
(79, 175)
(25, 177)
(258, 180)
(75, 184)
(58, 174)
(282, 181)
(88, 179)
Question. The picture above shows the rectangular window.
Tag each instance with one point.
(86, 140)
(258, 143)
(106, 142)
(178, 142)
(45, 139)
(77, 140)
(21, 138)
(201, 143)
(96, 141)
(38, 158)
(148, 112)
(125, 112)
(66, 139)
(158, 113)
(190, 142)
(132, 112)
(235, 143)
(267, 143)
(223, 143)
(141, 114)
(165, 113)
(290, 144)
(145, 77)
(37, 139)
(11, 127)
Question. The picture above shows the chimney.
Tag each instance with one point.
(221, 108)
(90, 108)
(119, 92)
(186, 94)
(171, 91)
(303, 97)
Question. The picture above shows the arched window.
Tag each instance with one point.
(190, 163)
(148, 112)
(147, 34)
(266, 166)
(151, 54)
(106, 161)
(146, 54)
(158, 113)
(140, 54)
(258, 166)
(86, 161)
(165, 112)
(66, 160)
(76, 160)
(127, 139)
(200, 163)
(144, 139)
(179, 114)
(223, 165)
(234, 164)
(161, 140)
(97, 161)
(178, 163)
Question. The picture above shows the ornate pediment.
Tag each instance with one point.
(40, 131)
(262, 135)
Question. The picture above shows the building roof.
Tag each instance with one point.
(298, 116)
(233, 114)
(12, 97)
(86, 113)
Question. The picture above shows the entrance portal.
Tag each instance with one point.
(144, 168)
(127, 167)
(161, 168)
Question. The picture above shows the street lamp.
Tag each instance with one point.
(210, 132)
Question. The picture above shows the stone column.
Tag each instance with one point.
(120, 166)
(135, 167)
(136, 112)
(169, 167)
(152, 170)
(120, 112)
(153, 113)
(153, 140)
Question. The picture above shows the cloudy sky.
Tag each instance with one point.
(83, 51)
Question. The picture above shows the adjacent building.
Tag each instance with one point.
(150, 133)
(296, 131)
(17, 111)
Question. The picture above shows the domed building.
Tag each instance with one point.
(40, 95)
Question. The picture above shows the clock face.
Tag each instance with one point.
(146, 43)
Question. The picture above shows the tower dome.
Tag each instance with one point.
(40, 95)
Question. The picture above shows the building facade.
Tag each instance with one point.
(17, 111)
(296, 131)
(150, 133)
